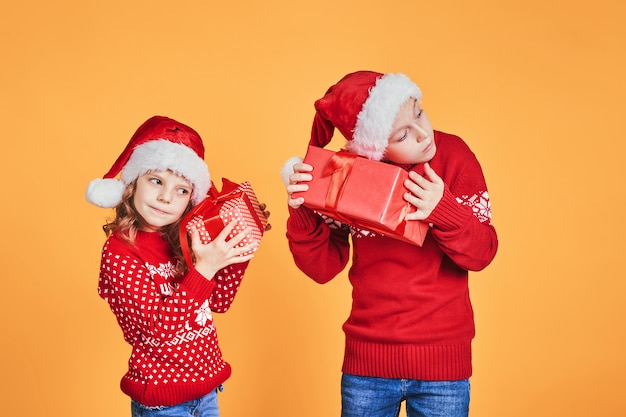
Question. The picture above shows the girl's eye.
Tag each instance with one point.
(183, 191)
(403, 137)
(155, 181)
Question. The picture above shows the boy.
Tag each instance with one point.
(409, 333)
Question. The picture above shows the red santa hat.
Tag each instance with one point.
(159, 144)
(363, 106)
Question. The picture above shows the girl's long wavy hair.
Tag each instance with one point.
(127, 222)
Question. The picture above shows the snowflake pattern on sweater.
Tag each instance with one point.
(479, 203)
(167, 320)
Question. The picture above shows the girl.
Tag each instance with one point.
(164, 308)
(408, 337)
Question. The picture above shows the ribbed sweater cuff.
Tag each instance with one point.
(302, 218)
(200, 287)
(153, 395)
(425, 362)
(449, 213)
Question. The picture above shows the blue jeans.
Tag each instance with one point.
(202, 407)
(363, 396)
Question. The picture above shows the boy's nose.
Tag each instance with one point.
(421, 133)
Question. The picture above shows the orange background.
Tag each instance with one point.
(536, 88)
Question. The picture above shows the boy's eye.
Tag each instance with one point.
(419, 114)
(403, 137)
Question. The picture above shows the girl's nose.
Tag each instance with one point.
(164, 197)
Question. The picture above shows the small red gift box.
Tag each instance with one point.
(235, 202)
(362, 193)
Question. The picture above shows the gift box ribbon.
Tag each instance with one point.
(339, 167)
(210, 210)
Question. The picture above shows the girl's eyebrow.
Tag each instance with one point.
(184, 184)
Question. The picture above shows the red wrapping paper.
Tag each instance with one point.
(362, 193)
(234, 202)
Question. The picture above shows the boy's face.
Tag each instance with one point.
(161, 198)
(412, 139)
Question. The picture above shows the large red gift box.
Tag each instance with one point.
(234, 202)
(362, 193)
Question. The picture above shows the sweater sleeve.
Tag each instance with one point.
(227, 282)
(318, 250)
(462, 220)
(144, 307)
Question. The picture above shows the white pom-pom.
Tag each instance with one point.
(287, 168)
(105, 192)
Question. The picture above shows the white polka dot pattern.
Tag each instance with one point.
(172, 333)
(239, 209)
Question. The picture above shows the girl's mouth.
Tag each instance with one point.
(159, 211)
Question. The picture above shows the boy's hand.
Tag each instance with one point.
(300, 174)
(424, 193)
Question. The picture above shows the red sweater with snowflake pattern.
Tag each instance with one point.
(411, 314)
(175, 353)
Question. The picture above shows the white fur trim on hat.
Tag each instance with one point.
(374, 122)
(162, 155)
(154, 155)
(287, 168)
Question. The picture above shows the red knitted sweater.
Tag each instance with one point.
(411, 314)
(175, 353)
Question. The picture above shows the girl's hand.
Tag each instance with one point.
(424, 193)
(301, 173)
(219, 253)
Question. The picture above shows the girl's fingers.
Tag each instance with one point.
(235, 240)
(195, 237)
(226, 231)
(230, 247)
(247, 249)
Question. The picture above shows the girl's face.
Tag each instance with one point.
(161, 198)
(412, 137)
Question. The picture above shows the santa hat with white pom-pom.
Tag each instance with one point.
(159, 144)
(363, 106)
